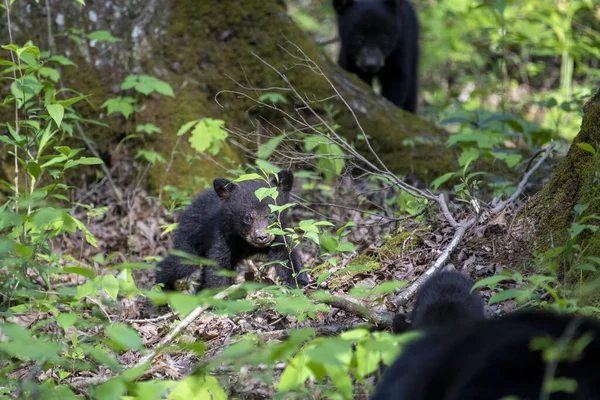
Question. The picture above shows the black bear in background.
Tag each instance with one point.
(228, 224)
(444, 299)
(494, 359)
(379, 38)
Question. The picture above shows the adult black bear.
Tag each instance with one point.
(494, 359)
(228, 224)
(380, 38)
(444, 299)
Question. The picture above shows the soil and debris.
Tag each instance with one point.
(131, 231)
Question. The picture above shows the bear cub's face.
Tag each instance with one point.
(248, 217)
(369, 30)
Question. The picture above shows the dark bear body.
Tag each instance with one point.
(228, 224)
(379, 38)
(491, 359)
(444, 299)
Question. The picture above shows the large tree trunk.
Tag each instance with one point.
(200, 47)
(574, 181)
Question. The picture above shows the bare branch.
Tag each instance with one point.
(359, 311)
(523, 182)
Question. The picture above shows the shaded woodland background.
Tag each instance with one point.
(501, 81)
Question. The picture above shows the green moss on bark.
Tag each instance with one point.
(574, 181)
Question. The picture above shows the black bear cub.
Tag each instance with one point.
(474, 358)
(379, 38)
(228, 224)
(444, 299)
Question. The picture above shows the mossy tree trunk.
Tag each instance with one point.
(576, 180)
(201, 48)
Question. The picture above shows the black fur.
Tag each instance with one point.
(379, 38)
(445, 299)
(227, 224)
(490, 359)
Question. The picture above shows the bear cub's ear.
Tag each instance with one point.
(224, 187)
(341, 5)
(284, 181)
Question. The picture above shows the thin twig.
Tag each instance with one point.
(523, 182)
(162, 184)
(149, 320)
(325, 42)
(12, 57)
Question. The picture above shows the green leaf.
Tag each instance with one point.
(468, 156)
(492, 281)
(110, 284)
(328, 242)
(114, 389)
(146, 84)
(72, 100)
(103, 36)
(25, 89)
(148, 128)
(82, 161)
(62, 60)
(262, 193)
(124, 105)
(273, 97)
(85, 272)
(266, 149)
(34, 169)
(345, 247)
(102, 357)
(198, 387)
(587, 147)
(441, 180)
(34, 50)
(66, 320)
(295, 374)
(266, 166)
(323, 277)
(183, 303)
(504, 295)
(208, 136)
(186, 127)
(586, 267)
(50, 73)
(125, 336)
(57, 112)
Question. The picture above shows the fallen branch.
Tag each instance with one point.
(361, 311)
(321, 330)
(460, 230)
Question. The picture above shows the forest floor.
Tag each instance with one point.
(401, 250)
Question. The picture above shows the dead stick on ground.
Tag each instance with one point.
(358, 310)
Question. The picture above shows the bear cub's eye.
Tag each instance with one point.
(359, 40)
(248, 219)
(272, 217)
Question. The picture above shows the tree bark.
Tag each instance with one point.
(201, 48)
(574, 181)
